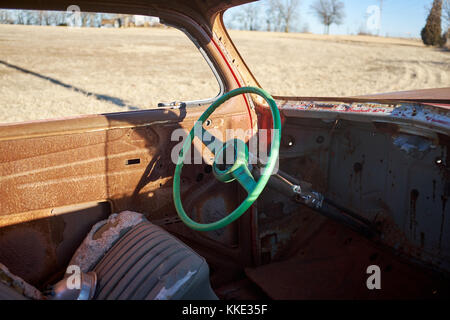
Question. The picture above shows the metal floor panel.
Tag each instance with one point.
(332, 264)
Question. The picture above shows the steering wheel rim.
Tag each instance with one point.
(256, 189)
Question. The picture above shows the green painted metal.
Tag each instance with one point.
(239, 170)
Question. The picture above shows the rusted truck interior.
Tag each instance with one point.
(361, 181)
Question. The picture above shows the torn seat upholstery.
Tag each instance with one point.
(134, 259)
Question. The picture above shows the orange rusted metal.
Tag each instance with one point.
(379, 155)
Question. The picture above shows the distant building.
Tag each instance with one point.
(141, 21)
(110, 23)
(129, 21)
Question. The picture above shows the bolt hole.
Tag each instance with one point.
(199, 177)
(357, 167)
(132, 161)
(388, 268)
(208, 169)
(288, 141)
(438, 161)
(373, 257)
(320, 139)
(207, 122)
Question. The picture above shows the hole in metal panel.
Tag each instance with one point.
(132, 161)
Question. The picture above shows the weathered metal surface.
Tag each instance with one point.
(427, 115)
(332, 263)
(63, 169)
(38, 251)
(354, 151)
(392, 174)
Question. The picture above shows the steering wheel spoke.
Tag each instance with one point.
(208, 139)
(245, 178)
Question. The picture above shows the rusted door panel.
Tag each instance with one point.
(126, 162)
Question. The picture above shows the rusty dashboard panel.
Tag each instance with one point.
(414, 113)
(388, 163)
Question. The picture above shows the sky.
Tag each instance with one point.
(399, 18)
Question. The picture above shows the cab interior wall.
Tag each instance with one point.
(399, 181)
(84, 167)
(122, 158)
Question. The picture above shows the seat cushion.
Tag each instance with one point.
(149, 263)
(8, 293)
(133, 259)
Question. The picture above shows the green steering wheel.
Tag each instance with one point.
(239, 170)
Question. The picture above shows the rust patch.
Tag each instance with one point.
(332, 264)
(444, 203)
(27, 252)
(412, 211)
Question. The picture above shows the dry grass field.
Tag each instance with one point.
(51, 72)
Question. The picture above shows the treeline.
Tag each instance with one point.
(283, 15)
(51, 18)
(74, 18)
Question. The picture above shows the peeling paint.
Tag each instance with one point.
(167, 293)
(412, 145)
(431, 115)
(18, 284)
(338, 107)
(102, 237)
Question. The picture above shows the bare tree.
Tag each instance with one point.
(305, 28)
(381, 14)
(60, 18)
(84, 16)
(329, 12)
(5, 17)
(54, 17)
(271, 16)
(248, 16)
(287, 11)
(40, 17)
(20, 16)
(446, 12)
